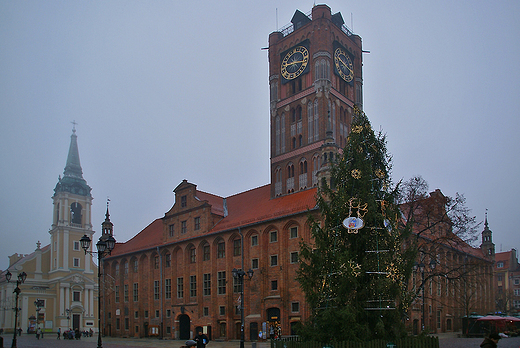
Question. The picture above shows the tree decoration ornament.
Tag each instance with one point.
(356, 174)
(379, 173)
(357, 129)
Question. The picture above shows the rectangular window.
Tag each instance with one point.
(274, 284)
(118, 323)
(136, 292)
(167, 288)
(168, 313)
(500, 264)
(125, 266)
(157, 313)
(127, 323)
(205, 252)
(221, 282)
(221, 250)
(125, 291)
(193, 286)
(116, 294)
(517, 281)
(146, 314)
(207, 284)
(136, 266)
(294, 232)
(136, 314)
(76, 296)
(156, 262)
(222, 310)
(117, 269)
(171, 229)
(180, 287)
(196, 223)
(156, 289)
(237, 247)
(168, 260)
(76, 245)
(205, 311)
(295, 307)
(517, 292)
(254, 240)
(274, 260)
(184, 227)
(184, 201)
(273, 236)
(294, 257)
(254, 264)
(237, 285)
(75, 262)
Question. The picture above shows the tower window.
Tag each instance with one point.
(75, 213)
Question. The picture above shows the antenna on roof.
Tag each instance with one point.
(277, 18)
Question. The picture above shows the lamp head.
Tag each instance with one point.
(85, 242)
(8, 276)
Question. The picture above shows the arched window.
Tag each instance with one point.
(316, 118)
(310, 122)
(277, 134)
(75, 213)
(282, 133)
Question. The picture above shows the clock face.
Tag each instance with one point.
(343, 64)
(295, 62)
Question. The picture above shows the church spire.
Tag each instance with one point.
(72, 180)
(73, 166)
(487, 246)
(107, 226)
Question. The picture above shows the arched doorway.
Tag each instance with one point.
(184, 327)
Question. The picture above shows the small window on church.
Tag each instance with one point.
(75, 213)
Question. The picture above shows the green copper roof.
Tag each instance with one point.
(72, 180)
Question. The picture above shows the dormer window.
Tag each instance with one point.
(500, 264)
(184, 201)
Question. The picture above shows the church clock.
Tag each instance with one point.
(343, 65)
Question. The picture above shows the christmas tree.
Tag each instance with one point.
(354, 272)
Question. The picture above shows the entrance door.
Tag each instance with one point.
(253, 331)
(75, 321)
(184, 327)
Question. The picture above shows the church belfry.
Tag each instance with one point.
(487, 246)
(315, 78)
(72, 215)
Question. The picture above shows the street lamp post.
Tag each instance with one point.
(104, 248)
(21, 279)
(38, 306)
(239, 275)
(68, 311)
(421, 268)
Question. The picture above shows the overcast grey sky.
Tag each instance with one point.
(167, 90)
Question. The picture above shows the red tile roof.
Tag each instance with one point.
(246, 208)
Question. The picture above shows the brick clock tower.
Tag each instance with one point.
(315, 78)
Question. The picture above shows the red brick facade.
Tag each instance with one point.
(175, 276)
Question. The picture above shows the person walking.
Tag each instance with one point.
(201, 340)
(59, 334)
